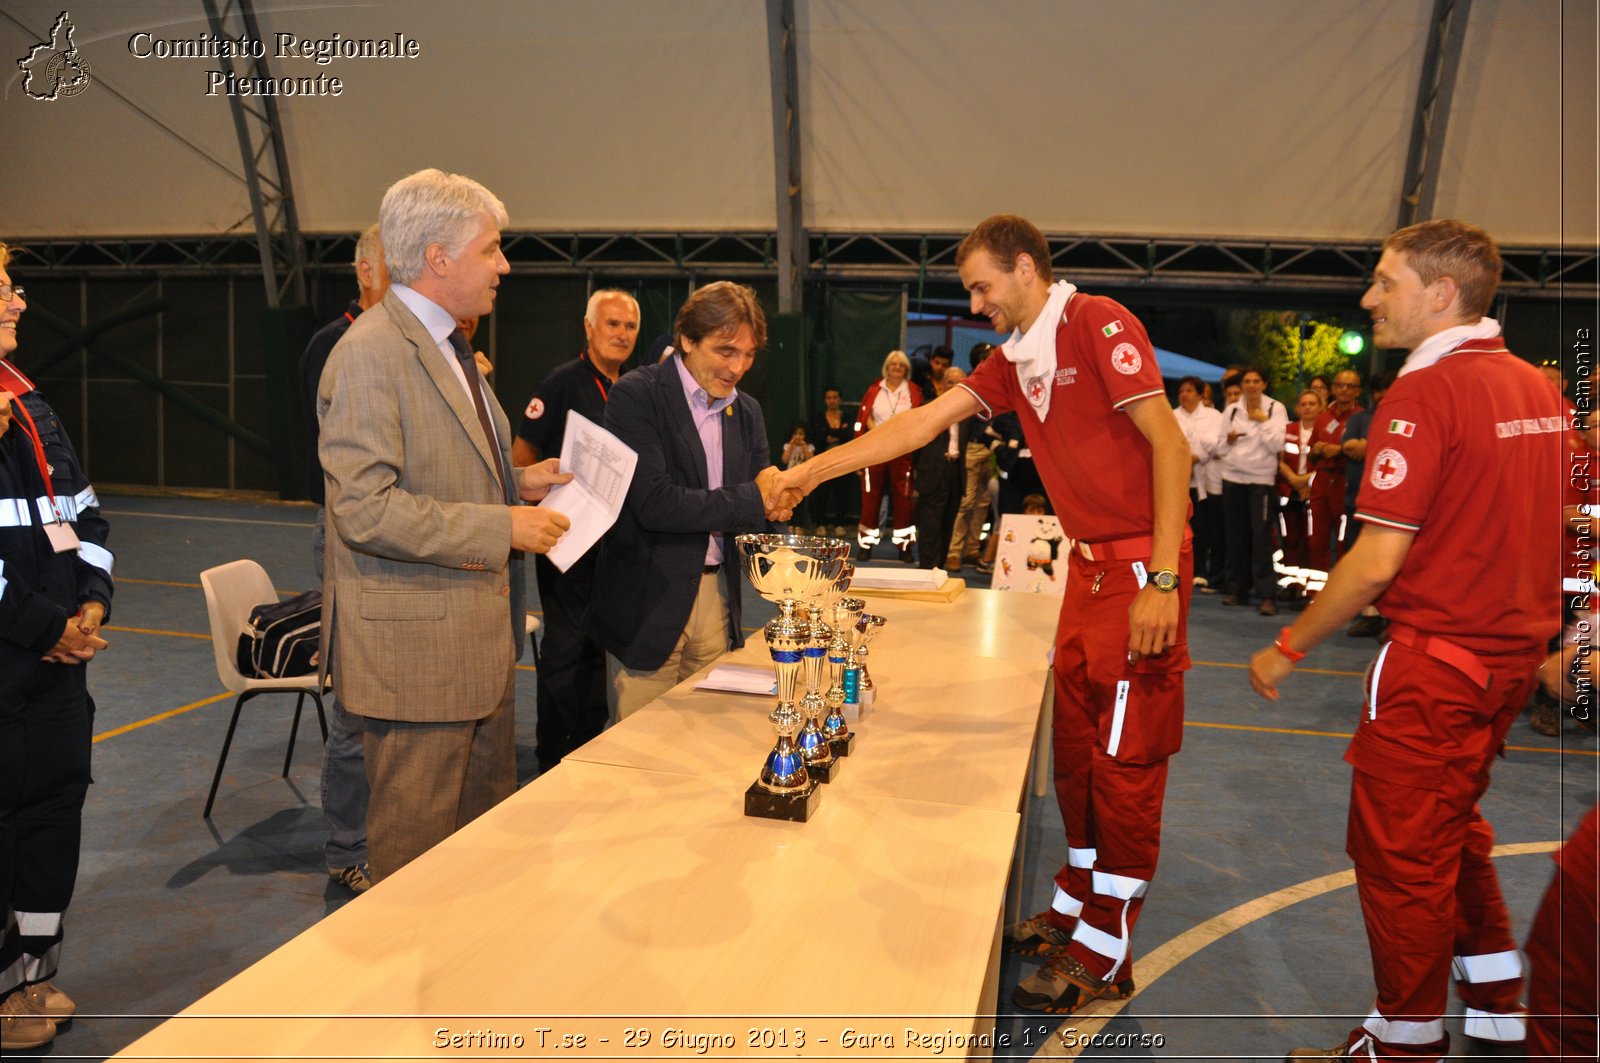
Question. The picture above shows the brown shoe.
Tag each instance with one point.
(1037, 936)
(1063, 986)
(20, 1028)
(1338, 1051)
(1268, 608)
(43, 998)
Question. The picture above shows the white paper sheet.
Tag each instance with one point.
(898, 578)
(739, 679)
(602, 466)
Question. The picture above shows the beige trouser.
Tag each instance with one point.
(974, 503)
(429, 780)
(704, 639)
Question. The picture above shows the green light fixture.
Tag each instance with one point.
(1352, 342)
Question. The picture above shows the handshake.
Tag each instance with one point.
(781, 491)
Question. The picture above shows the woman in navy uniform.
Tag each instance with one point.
(55, 592)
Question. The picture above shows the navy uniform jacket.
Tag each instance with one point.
(40, 590)
(651, 559)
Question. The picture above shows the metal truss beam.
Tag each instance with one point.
(1447, 31)
(280, 250)
(781, 43)
(1151, 261)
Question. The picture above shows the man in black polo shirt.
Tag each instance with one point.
(344, 763)
(572, 668)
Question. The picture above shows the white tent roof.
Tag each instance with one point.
(1230, 118)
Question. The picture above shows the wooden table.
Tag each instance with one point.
(625, 891)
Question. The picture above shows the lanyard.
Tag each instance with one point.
(31, 430)
(604, 397)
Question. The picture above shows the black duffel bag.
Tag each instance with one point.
(281, 638)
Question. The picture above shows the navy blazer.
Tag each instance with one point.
(651, 560)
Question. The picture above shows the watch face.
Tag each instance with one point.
(1166, 580)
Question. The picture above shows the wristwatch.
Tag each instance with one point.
(1166, 581)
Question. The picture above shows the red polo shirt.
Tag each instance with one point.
(1094, 461)
(1467, 453)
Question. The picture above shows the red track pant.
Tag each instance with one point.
(896, 477)
(1115, 726)
(1428, 889)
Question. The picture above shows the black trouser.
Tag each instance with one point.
(939, 490)
(1022, 481)
(46, 725)
(572, 668)
(1210, 538)
(1247, 516)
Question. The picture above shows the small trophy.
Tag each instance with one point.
(846, 617)
(788, 570)
(816, 744)
(868, 627)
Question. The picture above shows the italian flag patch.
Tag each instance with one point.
(1111, 329)
(1402, 428)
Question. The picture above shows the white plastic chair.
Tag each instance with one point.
(232, 590)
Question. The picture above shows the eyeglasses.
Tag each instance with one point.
(1345, 384)
(11, 291)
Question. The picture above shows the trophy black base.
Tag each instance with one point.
(825, 772)
(842, 747)
(798, 806)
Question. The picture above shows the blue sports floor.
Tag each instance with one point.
(1250, 940)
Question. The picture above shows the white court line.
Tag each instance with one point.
(1167, 956)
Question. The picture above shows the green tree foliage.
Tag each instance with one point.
(1271, 339)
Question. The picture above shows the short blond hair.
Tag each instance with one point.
(895, 356)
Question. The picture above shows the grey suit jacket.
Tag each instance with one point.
(423, 593)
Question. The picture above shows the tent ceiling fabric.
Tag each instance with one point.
(1234, 118)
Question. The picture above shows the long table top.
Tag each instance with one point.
(956, 709)
(631, 911)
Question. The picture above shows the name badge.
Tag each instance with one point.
(63, 540)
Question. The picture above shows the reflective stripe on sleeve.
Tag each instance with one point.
(86, 498)
(15, 513)
(98, 556)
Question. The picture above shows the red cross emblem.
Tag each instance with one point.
(1388, 469)
(1125, 359)
(1036, 389)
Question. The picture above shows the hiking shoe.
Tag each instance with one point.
(1037, 936)
(1545, 720)
(356, 879)
(43, 998)
(20, 1028)
(1065, 985)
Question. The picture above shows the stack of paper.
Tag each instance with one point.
(739, 679)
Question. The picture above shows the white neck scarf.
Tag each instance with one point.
(1034, 354)
(1443, 344)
